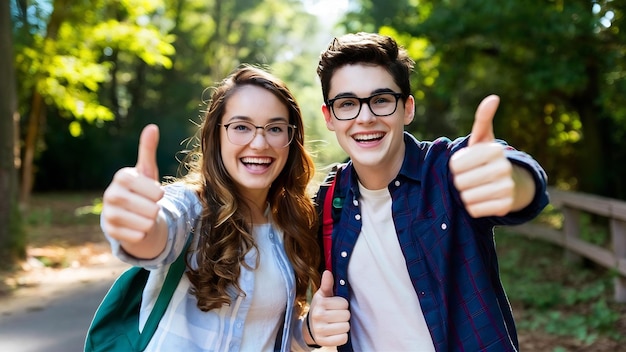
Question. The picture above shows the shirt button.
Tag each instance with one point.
(355, 202)
(357, 216)
(344, 254)
(342, 282)
(397, 183)
(444, 226)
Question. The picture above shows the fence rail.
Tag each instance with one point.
(572, 205)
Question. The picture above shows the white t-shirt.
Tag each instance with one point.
(270, 297)
(385, 311)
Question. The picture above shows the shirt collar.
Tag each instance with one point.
(413, 156)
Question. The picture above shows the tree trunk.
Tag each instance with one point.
(30, 145)
(35, 119)
(12, 239)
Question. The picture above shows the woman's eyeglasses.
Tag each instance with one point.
(277, 134)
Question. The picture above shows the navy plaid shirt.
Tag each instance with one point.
(450, 256)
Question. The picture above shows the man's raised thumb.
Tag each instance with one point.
(326, 286)
(146, 158)
(482, 129)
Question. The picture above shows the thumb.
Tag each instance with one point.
(146, 158)
(326, 286)
(482, 130)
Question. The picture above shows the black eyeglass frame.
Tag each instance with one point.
(256, 128)
(330, 103)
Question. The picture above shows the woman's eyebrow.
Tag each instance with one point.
(249, 119)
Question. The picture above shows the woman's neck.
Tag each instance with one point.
(258, 210)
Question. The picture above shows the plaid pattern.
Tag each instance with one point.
(450, 256)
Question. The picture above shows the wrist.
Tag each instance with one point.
(308, 329)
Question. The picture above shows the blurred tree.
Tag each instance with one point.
(249, 32)
(12, 245)
(210, 39)
(61, 59)
(557, 65)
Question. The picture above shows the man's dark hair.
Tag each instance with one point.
(369, 49)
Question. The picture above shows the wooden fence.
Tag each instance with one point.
(572, 205)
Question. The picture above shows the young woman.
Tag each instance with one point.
(253, 254)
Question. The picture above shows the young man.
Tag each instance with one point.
(414, 264)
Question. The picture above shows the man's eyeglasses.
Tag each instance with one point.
(380, 104)
(277, 134)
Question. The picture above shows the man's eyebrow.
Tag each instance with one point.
(383, 90)
(352, 95)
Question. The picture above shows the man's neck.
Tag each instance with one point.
(374, 177)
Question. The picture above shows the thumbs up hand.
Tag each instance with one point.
(328, 317)
(130, 206)
(482, 173)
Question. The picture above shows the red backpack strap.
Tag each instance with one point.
(329, 216)
(327, 224)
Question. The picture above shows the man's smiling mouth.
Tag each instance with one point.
(368, 137)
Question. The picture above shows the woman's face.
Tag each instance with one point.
(255, 165)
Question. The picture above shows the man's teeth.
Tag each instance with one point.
(368, 137)
(251, 160)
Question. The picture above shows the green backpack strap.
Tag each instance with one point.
(174, 274)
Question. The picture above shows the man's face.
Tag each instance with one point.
(374, 143)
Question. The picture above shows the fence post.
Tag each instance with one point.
(618, 234)
(571, 228)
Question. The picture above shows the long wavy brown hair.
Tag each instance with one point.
(225, 236)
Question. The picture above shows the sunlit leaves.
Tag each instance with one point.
(66, 67)
(566, 127)
(75, 129)
(140, 8)
(146, 43)
(72, 101)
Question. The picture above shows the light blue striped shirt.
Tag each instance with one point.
(184, 327)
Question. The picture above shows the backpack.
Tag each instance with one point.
(115, 325)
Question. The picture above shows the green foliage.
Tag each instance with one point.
(94, 209)
(14, 247)
(136, 62)
(555, 296)
(595, 230)
(66, 63)
(39, 217)
(558, 67)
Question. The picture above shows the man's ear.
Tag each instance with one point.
(328, 117)
(409, 110)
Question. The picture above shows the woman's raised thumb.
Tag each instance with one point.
(146, 158)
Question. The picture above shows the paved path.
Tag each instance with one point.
(54, 315)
